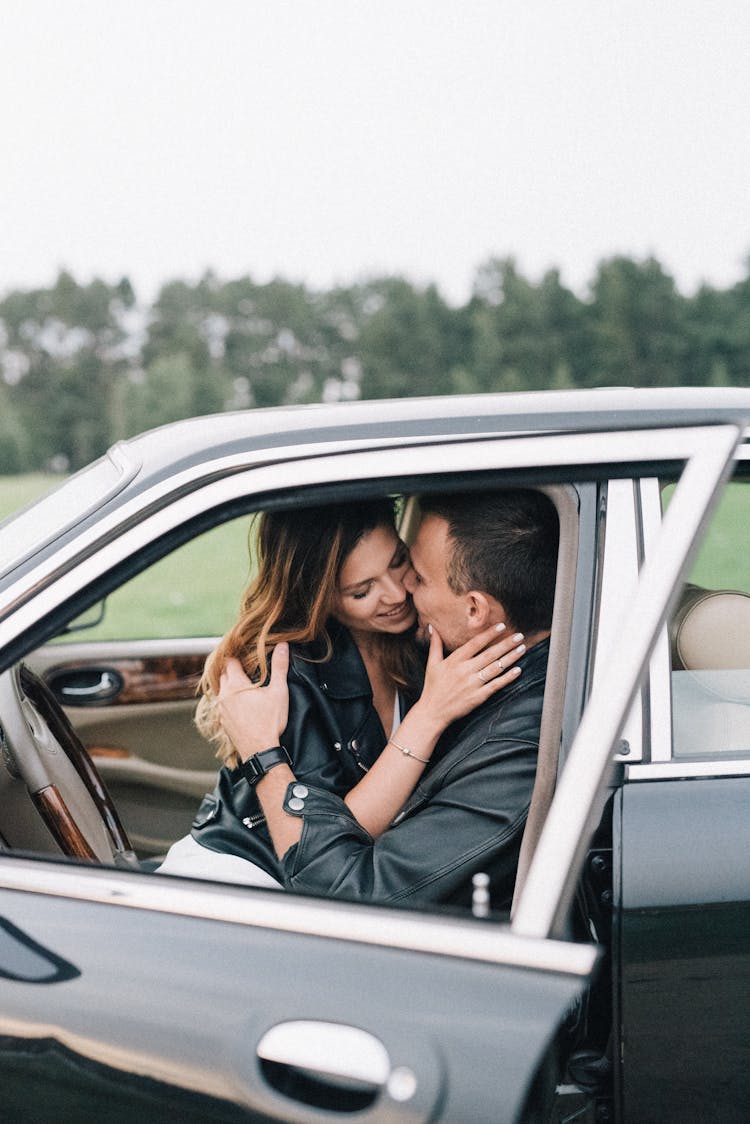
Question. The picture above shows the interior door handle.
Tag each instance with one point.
(331, 1066)
(77, 687)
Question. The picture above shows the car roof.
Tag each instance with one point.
(181, 443)
(144, 462)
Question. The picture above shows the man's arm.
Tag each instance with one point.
(472, 823)
(467, 816)
(255, 717)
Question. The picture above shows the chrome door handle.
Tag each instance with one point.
(343, 1067)
(105, 688)
(106, 684)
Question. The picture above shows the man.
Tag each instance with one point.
(479, 560)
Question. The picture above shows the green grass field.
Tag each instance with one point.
(17, 491)
(722, 561)
(196, 590)
(193, 592)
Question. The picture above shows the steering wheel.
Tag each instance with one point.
(40, 746)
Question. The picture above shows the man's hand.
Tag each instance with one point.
(254, 718)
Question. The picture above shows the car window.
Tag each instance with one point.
(194, 591)
(710, 638)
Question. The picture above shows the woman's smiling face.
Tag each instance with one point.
(371, 596)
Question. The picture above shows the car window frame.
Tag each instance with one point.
(661, 763)
(560, 456)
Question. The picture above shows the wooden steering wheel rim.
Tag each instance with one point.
(48, 801)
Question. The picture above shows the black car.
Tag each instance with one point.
(618, 989)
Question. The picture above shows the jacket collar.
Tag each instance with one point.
(343, 676)
(534, 664)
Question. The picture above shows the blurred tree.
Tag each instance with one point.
(738, 358)
(175, 324)
(638, 325)
(709, 318)
(274, 340)
(15, 454)
(82, 365)
(411, 340)
(526, 337)
(169, 390)
(69, 339)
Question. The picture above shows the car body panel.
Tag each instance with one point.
(683, 947)
(140, 1006)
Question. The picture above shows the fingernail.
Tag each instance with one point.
(429, 629)
(518, 636)
(500, 627)
(521, 648)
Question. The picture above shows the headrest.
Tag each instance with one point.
(711, 630)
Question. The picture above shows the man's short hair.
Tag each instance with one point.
(504, 543)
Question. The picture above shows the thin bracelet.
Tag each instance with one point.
(408, 753)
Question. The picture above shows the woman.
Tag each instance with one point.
(329, 582)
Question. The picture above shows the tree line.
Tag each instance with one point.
(84, 365)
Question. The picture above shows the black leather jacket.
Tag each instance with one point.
(466, 815)
(333, 736)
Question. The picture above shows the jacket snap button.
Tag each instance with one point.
(324, 686)
(300, 790)
(337, 746)
(353, 744)
(295, 804)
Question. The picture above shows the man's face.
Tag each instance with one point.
(434, 600)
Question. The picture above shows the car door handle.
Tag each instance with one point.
(331, 1066)
(76, 687)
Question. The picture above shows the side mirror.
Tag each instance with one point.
(92, 616)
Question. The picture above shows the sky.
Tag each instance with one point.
(327, 141)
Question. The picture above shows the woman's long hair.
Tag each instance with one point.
(299, 557)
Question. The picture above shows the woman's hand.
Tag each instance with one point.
(458, 683)
(454, 685)
(254, 718)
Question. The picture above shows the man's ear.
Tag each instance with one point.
(478, 611)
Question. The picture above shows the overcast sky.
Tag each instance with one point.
(327, 140)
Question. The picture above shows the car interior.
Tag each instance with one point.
(133, 769)
(710, 643)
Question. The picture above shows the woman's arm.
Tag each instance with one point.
(255, 717)
(452, 688)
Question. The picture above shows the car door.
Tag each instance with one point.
(681, 840)
(168, 998)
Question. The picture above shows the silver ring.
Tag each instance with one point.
(500, 665)
(480, 673)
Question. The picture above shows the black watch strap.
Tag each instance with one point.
(261, 763)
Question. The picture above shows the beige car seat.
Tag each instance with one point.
(710, 639)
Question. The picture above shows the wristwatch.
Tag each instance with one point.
(256, 767)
